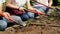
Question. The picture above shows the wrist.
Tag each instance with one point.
(18, 8)
(21, 8)
(50, 5)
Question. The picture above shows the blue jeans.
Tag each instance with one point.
(41, 8)
(3, 23)
(27, 16)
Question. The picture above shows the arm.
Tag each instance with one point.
(50, 2)
(31, 9)
(11, 5)
(8, 18)
(42, 3)
(28, 4)
(5, 15)
(0, 7)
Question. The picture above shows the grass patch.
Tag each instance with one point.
(52, 18)
(38, 21)
(28, 22)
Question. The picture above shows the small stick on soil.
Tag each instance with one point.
(52, 25)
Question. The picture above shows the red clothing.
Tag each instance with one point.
(13, 11)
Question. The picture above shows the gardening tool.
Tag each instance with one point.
(34, 11)
(52, 25)
(55, 9)
(40, 13)
(8, 17)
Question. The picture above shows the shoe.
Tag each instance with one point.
(24, 24)
(22, 27)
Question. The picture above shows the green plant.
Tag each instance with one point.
(51, 18)
(4, 5)
(28, 22)
(25, 6)
(38, 21)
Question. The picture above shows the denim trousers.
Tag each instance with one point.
(41, 8)
(3, 22)
(27, 15)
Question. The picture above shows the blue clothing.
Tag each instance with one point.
(27, 15)
(41, 8)
(3, 23)
(24, 16)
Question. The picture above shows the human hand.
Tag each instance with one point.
(31, 8)
(6, 13)
(21, 8)
(49, 6)
(7, 16)
(39, 12)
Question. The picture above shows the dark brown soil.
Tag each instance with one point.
(37, 29)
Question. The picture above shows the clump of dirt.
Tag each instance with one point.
(32, 29)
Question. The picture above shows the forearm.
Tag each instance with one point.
(28, 4)
(12, 6)
(50, 2)
(6, 16)
(41, 3)
(1, 13)
(10, 19)
(0, 6)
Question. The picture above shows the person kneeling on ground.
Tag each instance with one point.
(5, 18)
(15, 7)
(42, 6)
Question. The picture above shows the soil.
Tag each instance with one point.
(37, 29)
